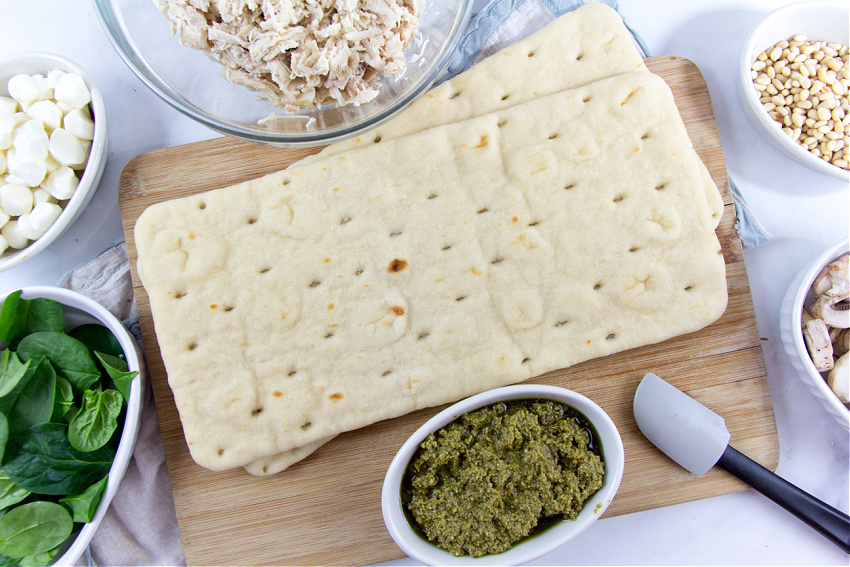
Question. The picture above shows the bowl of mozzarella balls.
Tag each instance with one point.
(52, 151)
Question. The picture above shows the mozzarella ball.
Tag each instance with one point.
(24, 89)
(13, 236)
(79, 123)
(9, 104)
(4, 244)
(31, 139)
(66, 148)
(62, 183)
(7, 126)
(53, 77)
(15, 199)
(43, 216)
(47, 112)
(26, 229)
(71, 89)
(42, 195)
(25, 168)
(4, 218)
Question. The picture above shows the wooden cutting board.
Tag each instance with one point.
(326, 509)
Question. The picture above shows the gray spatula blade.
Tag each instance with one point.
(684, 429)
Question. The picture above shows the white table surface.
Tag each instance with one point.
(804, 212)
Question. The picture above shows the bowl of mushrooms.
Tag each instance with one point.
(815, 328)
(793, 83)
(52, 151)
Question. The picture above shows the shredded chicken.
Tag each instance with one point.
(301, 54)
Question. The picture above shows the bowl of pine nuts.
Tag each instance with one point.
(794, 83)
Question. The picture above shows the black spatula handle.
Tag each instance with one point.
(833, 524)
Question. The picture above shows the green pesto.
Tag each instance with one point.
(493, 476)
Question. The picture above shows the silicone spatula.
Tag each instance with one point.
(697, 439)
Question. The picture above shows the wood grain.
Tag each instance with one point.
(326, 509)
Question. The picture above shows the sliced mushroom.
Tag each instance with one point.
(833, 309)
(816, 335)
(834, 279)
(839, 378)
(840, 340)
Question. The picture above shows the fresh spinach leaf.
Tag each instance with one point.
(39, 559)
(13, 317)
(4, 434)
(83, 506)
(7, 402)
(11, 371)
(42, 460)
(63, 402)
(34, 404)
(34, 528)
(45, 315)
(69, 357)
(97, 338)
(10, 493)
(117, 369)
(93, 426)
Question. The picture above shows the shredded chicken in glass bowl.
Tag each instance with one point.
(287, 72)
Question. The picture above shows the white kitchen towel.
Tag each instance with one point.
(140, 527)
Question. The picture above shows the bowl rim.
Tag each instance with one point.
(748, 93)
(123, 48)
(95, 166)
(540, 544)
(129, 435)
(801, 292)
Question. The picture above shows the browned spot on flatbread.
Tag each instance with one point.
(335, 397)
(330, 306)
(191, 236)
(397, 309)
(397, 266)
(213, 306)
(631, 94)
(277, 393)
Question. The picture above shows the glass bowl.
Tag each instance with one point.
(191, 82)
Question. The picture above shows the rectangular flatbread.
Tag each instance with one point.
(349, 290)
(580, 47)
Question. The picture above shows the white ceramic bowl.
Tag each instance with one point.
(820, 21)
(80, 310)
(41, 63)
(545, 541)
(799, 294)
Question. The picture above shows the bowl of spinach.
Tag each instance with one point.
(71, 379)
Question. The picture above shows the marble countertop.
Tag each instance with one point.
(803, 211)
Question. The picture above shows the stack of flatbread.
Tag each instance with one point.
(544, 208)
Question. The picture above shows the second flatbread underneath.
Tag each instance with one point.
(350, 290)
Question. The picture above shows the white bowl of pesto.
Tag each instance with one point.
(88, 430)
(600, 437)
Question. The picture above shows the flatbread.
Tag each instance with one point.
(349, 290)
(577, 48)
(582, 46)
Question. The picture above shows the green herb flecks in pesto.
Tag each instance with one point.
(497, 474)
